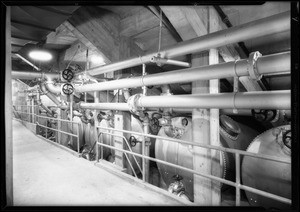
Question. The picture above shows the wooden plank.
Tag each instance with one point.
(8, 113)
(139, 22)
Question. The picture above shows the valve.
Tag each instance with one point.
(177, 186)
(67, 89)
(132, 141)
(67, 74)
(287, 138)
(154, 123)
(264, 115)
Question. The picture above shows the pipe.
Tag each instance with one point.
(274, 63)
(44, 107)
(104, 106)
(267, 26)
(226, 21)
(247, 100)
(50, 95)
(162, 61)
(32, 75)
(28, 62)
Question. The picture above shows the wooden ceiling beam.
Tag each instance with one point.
(197, 18)
(137, 23)
(100, 28)
(84, 40)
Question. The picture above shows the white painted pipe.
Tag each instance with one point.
(247, 100)
(269, 64)
(267, 26)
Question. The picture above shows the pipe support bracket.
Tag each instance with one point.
(252, 67)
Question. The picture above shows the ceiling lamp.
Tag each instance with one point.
(40, 55)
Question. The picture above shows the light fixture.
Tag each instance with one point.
(97, 60)
(40, 55)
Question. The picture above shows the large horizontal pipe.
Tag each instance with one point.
(247, 100)
(280, 100)
(104, 106)
(267, 26)
(32, 75)
(265, 65)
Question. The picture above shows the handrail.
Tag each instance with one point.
(277, 159)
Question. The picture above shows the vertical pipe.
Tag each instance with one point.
(146, 149)
(237, 180)
(144, 73)
(8, 112)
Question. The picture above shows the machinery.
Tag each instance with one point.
(232, 135)
(153, 114)
(266, 175)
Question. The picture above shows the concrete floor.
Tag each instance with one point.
(44, 175)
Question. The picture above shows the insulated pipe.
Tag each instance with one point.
(247, 100)
(269, 64)
(32, 75)
(162, 61)
(50, 95)
(267, 26)
(104, 106)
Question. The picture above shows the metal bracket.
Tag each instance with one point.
(252, 69)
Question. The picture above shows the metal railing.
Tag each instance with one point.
(237, 184)
(37, 120)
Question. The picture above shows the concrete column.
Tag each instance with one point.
(214, 87)
(201, 134)
(8, 112)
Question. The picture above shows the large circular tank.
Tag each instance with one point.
(74, 129)
(266, 175)
(136, 126)
(233, 135)
(107, 139)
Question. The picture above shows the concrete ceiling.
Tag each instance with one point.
(64, 28)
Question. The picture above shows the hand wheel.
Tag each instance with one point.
(154, 123)
(132, 141)
(263, 115)
(287, 138)
(67, 74)
(68, 89)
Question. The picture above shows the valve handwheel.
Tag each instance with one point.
(132, 141)
(287, 138)
(264, 115)
(68, 89)
(68, 74)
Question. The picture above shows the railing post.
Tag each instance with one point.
(144, 160)
(78, 124)
(237, 180)
(46, 130)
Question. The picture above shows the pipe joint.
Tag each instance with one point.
(133, 103)
(252, 66)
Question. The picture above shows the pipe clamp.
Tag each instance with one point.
(252, 69)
